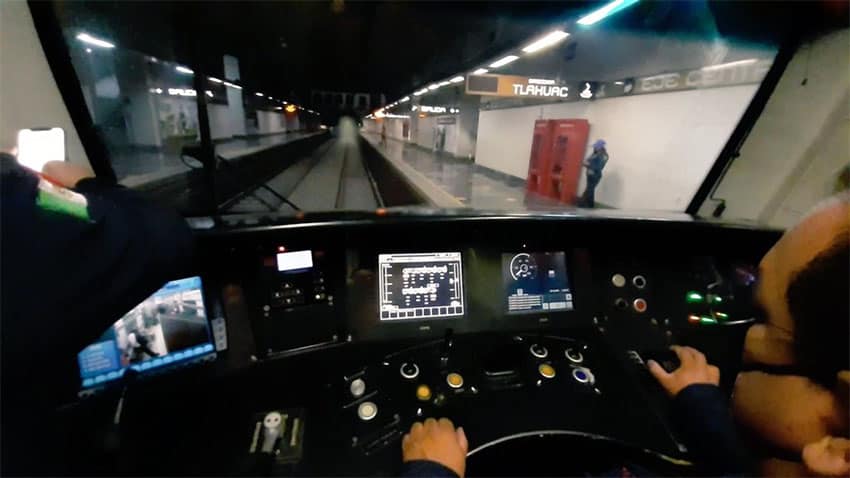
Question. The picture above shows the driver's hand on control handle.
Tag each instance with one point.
(693, 369)
(436, 441)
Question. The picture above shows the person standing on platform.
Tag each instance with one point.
(594, 164)
(383, 134)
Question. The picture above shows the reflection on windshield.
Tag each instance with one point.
(625, 106)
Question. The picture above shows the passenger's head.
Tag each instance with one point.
(803, 290)
(599, 144)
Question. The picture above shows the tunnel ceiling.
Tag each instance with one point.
(288, 48)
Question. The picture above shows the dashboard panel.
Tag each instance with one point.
(359, 327)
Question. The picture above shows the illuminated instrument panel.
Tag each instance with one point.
(355, 331)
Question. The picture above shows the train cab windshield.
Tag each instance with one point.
(339, 238)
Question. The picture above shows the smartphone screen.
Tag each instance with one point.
(40, 145)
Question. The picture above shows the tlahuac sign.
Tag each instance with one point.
(516, 86)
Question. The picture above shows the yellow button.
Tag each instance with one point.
(455, 380)
(423, 392)
(546, 370)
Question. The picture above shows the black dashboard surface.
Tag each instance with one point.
(306, 339)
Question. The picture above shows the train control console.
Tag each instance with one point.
(327, 340)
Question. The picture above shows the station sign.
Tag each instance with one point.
(516, 86)
(724, 74)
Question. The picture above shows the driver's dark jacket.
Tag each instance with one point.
(65, 279)
(702, 417)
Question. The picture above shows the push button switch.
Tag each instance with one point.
(455, 380)
(423, 393)
(546, 370)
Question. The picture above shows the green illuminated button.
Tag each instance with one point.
(721, 315)
(707, 320)
(694, 297)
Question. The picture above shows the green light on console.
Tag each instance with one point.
(707, 320)
(694, 297)
(721, 315)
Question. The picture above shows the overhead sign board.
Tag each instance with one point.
(515, 86)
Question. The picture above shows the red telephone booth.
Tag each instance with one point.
(538, 163)
(568, 145)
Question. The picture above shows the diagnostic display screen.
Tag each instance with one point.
(296, 261)
(169, 327)
(536, 282)
(420, 285)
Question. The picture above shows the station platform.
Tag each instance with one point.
(351, 170)
(138, 167)
(468, 184)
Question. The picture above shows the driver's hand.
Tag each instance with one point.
(436, 441)
(693, 369)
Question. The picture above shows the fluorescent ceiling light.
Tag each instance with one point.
(183, 69)
(605, 11)
(444, 83)
(548, 40)
(278, 107)
(86, 38)
(271, 98)
(404, 100)
(539, 81)
(259, 94)
(618, 82)
(215, 80)
(503, 61)
(729, 65)
(420, 92)
(210, 94)
(456, 79)
(480, 71)
(433, 87)
(227, 83)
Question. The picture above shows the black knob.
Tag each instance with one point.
(574, 356)
(409, 370)
(538, 351)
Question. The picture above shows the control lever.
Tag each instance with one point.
(446, 348)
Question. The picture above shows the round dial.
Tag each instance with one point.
(523, 267)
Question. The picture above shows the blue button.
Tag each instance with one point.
(145, 365)
(198, 350)
(581, 375)
(156, 362)
(178, 356)
(208, 348)
(99, 378)
(88, 382)
(112, 375)
(167, 359)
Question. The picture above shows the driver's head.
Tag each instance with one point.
(803, 290)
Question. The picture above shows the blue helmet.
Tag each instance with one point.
(600, 143)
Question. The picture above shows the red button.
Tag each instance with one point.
(694, 319)
(639, 305)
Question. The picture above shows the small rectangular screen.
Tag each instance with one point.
(169, 327)
(294, 261)
(420, 285)
(536, 282)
